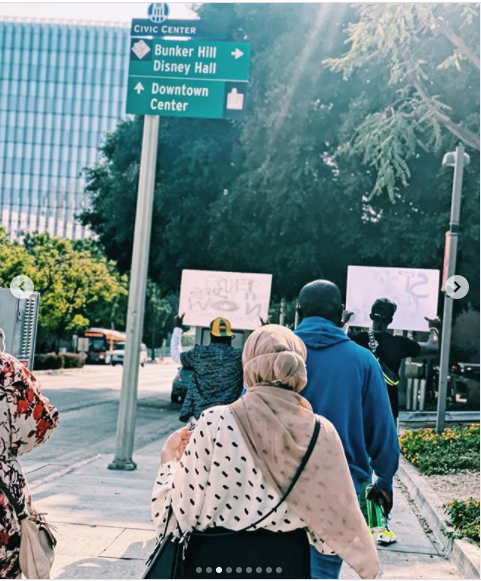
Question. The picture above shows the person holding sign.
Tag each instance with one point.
(391, 349)
(217, 368)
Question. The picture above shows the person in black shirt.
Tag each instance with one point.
(392, 349)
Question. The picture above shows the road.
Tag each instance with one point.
(87, 400)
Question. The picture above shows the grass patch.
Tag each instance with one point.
(454, 450)
(463, 519)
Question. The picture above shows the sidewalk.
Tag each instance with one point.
(105, 531)
(102, 517)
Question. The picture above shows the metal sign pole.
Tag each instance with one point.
(138, 282)
(448, 301)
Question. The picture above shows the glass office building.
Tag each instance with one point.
(62, 86)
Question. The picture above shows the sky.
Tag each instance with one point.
(98, 11)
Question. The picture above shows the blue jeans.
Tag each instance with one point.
(324, 566)
(329, 566)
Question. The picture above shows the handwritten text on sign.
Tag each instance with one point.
(414, 290)
(240, 297)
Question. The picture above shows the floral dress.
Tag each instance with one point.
(26, 420)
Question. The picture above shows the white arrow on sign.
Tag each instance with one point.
(139, 88)
(237, 53)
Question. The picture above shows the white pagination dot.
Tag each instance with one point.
(278, 569)
(218, 570)
(198, 570)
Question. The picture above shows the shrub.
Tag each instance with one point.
(72, 360)
(455, 449)
(463, 519)
(54, 361)
(47, 361)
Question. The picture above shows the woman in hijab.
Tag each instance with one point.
(27, 420)
(240, 460)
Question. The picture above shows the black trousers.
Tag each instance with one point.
(259, 554)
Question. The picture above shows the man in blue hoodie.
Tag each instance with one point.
(345, 384)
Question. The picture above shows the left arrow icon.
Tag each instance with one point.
(139, 88)
(237, 53)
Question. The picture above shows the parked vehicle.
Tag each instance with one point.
(116, 356)
(465, 384)
(180, 385)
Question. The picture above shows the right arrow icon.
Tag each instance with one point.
(457, 287)
(237, 53)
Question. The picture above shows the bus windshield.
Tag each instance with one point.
(96, 344)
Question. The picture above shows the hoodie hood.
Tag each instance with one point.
(319, 333)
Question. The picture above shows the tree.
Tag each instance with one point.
(14, 260)
(77, 284)
(159, 313)
(194, 165)
(281, 192)
(425, 47)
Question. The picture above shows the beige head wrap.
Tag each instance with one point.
(273, 357)
(277, 425)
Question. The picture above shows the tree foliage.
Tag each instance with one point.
(290, 190)
(159, 313)
(77, 284)
(429, 50)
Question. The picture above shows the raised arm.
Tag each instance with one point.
(431, 346)
(176, 339)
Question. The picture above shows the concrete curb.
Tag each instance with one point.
(54, 372)
(464, 555)
(90, 368)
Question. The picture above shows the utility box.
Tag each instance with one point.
(18, 319)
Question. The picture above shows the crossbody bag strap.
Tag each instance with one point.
(18, 508)
(302, 465)
(373, 344)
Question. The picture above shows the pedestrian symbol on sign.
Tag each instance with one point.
(235, 100)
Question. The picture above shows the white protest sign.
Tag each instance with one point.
(239, 297)
(415, 292)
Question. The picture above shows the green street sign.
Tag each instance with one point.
(191, 59)
(179, 98)
(194, 78)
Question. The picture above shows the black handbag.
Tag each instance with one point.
(248, 553)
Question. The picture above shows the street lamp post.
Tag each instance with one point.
(458, 159)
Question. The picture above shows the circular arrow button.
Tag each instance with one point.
(21, 287)
(457, 287)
